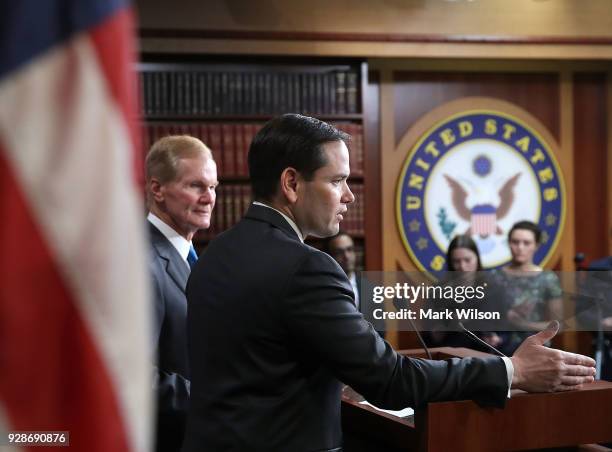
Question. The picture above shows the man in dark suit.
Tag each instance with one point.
(342, 248)
(273, 327)
(181, 179)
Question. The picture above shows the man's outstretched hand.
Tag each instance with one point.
(541, 369)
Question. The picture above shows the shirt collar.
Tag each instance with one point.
(289, 220)
(180, 243)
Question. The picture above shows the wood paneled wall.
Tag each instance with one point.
(571, 104)
(591, 122)
(550, 58)
(569, 18)
(375, 28)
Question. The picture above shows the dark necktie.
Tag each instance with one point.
(192, 257)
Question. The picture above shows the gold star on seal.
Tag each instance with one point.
(545, 237)
(422, 243)
(414, 226)
(551, 219)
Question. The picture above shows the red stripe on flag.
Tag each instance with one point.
(53, 377)
(113, 41)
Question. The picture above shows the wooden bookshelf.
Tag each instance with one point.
(225, 103)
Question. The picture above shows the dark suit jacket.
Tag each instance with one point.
(380, 329)
(273, 330)
(171, 376)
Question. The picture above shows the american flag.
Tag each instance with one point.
(74, 324)
(484, 219)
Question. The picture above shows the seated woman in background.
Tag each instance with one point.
(534, 294)
(464, 267)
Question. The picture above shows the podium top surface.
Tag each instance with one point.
(529, 420)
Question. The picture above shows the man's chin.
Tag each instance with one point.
(335, 228)
(329, 232)
(202, 225)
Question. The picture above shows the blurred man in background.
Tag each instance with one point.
(342, 248)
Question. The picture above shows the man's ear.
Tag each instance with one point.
(289, 181)
(156, 190)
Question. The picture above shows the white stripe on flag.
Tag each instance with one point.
(71, 150)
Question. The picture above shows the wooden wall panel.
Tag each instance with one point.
(412, 94)
(518, 29)
(416, 93)
(590, 164)
(572, 104)
(373, 211)
(484, 19)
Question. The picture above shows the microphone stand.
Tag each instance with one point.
(402, 304)
(420, 338)
(472, 336)
(599, 342)
(598, 301)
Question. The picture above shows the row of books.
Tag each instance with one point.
(196, 93)
(234, 199)
(230, 142)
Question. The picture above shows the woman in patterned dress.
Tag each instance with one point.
(534, 294)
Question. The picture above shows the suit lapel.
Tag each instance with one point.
(178, 271)
(175, 266)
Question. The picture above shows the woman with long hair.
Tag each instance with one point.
(465, 268)
(533, 293)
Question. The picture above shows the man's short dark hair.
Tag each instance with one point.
(290, 140)
(529, 226)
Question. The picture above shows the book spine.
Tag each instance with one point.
(239, 92)
(215, 143)
(318, 93)
(239, 148)
(230, 107)
(340, 92)
(351, 92)
(217, 94)
(229, 150)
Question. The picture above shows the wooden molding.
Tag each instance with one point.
(609, 152)
(371, 37)
(566, 161)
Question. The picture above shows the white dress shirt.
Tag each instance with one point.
(353, 281)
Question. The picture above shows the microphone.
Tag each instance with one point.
(472, 336)
(420, 338)
(399, 305)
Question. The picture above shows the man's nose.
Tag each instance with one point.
(207, 197)
(349, 197)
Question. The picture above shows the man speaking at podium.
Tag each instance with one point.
(272, 324)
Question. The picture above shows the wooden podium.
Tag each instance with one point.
(529, 421)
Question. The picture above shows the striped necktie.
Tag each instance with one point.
(192, 257)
